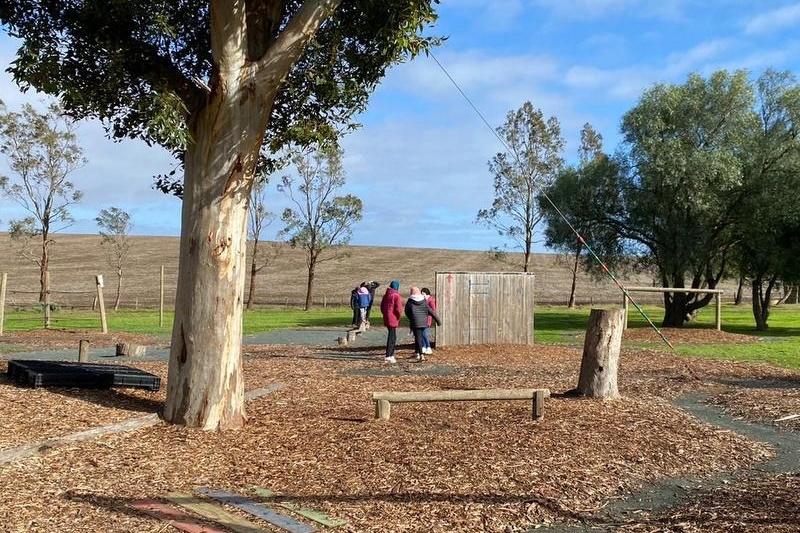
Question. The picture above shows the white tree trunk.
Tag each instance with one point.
(600, 362)
(205, 386)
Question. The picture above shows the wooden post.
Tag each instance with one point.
(538, 404)
(83, 351)
(599, 365)
(3, 281)
(719, 311)
(99, 282)
(161, 301)
(383, 409)
(625, 310)
(46, 299)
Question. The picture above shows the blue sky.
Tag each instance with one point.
(419, 163)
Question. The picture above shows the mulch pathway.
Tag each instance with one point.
(433, 467)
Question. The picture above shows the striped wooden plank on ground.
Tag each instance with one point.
(281, 520)
(174, 517)
(214, 512)
(311, 514)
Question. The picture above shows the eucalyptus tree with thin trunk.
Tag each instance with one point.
(570, 206)
(42, 152)
(261, 252)
(115, 227)
(320, 223)
(215, 81)
(531, 163)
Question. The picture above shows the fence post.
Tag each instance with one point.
(719, 310)
(624, 311)
(46, 299)
(161, 301)
(99, 282)
(3, 281)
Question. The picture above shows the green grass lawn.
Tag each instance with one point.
(553, 325)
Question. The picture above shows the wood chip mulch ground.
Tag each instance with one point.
(433, 467)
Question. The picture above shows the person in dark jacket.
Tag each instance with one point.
(354, 306)
(372, 286)
(392, 310)
(417, 310)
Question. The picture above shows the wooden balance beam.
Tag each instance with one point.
(383, 400)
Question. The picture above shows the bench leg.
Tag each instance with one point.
(383, 409)
(538, 404)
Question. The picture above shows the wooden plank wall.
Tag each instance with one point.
(485, 308)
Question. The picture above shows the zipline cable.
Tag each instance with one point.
(554, 206)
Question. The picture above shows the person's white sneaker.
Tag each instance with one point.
(417, 358)
(390, 359)
(427, 351)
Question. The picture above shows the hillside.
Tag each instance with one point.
(76, 259)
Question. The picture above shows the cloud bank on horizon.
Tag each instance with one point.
(420, 161)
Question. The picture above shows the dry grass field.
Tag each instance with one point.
(76, 259)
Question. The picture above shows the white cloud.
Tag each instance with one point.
(773, 21)
(695, 58)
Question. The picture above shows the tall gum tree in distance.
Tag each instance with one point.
(320, 222)
(42, 152)
(577, 192)
(531, 163)
(215, 82)
(115, 228)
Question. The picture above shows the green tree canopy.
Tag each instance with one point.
(682, 188)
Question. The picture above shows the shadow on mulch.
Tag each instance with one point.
(111, 398)
(120, 505)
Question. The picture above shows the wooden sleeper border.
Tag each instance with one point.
(383, 400)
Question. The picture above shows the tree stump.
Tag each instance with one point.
(600, 361)
(130, 349)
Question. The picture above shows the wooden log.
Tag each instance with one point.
(383, 400)
(130, 349)
(459, 395)
(83, 351)
(600, 361)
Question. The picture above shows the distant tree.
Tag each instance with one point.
(259, 218)
(767, 229)
(319, 222)
(42, 152)
(570, 205)
(115, 226)
(532, 162)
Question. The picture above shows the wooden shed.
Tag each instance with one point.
(484, 308)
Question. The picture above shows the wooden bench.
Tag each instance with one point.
(383, 400)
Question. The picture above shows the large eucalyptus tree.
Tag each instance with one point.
(214, 81)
